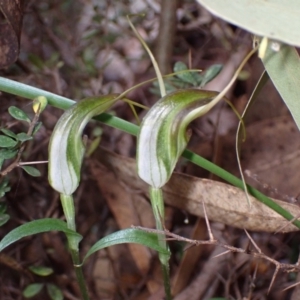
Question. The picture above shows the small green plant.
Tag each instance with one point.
(185, 78)
(34, 289)
(12, 146)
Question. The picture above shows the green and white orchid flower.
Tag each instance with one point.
(163, 134)
(66, 148)
(163, 137)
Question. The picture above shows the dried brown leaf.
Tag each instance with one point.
(224, 203)
(127, 209)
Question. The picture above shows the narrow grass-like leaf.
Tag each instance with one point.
(283, 68)
(207, 165)
(130, 235)
(34, 227)
(7, 142)
(31, 171)
(18, 114)
(30, 92)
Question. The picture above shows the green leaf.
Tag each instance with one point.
(188, 77)
(22, 137)
(169, 87)
(9, 133)
(7, 153)
(210, 74)
(31, 171)
(18, 114)
(37, 127)
(275, 19)
(32, 289)
(30, 92)
(54, 292)
(34, 227)
(7, 142)
(3, 219)
(130, 235)
(41, 271)
(283, 68)
(4, 188)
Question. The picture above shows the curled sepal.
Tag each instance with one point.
(66, 148)
(163, 136)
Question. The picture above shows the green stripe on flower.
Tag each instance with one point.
(163, 137)
(66, 148)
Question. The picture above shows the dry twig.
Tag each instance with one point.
(257, 254)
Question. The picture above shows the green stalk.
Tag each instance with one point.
(26, 91)
(209, 166)
(157, 203)
(69, 212)
(67, 203)
(79, 274)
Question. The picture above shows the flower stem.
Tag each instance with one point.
(69, 212)
(67, 203)
(157, 203)
(79, 274)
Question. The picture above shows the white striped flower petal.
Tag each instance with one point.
(163, 137)
(66, 148)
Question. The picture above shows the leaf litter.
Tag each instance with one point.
(49, 63)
